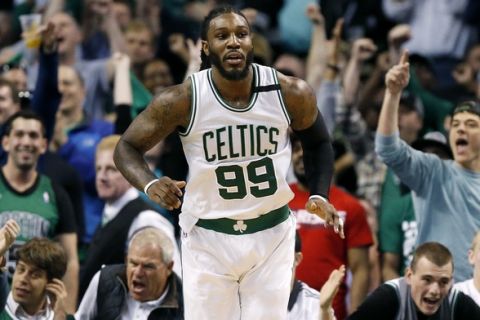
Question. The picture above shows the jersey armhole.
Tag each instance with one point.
(280, 97)
(452, 299)
(193, 107)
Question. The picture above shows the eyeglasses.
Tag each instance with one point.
(25, 95)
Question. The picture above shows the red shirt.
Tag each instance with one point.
(323, 250)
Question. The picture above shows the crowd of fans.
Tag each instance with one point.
(100, 62)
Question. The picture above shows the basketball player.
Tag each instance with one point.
(233, 119)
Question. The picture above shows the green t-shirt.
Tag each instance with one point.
(398, 226)
(35, 210)
(5, 316)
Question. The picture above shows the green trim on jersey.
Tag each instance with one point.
(253, 98)
(194, 108)
(280, 98)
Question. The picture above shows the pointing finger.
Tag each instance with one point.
(404, 57)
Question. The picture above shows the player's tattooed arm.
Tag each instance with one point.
(168, 111)
(308, 125)
(300, 102)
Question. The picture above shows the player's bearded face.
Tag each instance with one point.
(233, 73)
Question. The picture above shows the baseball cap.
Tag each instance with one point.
(434, 139)
(411, 102)
(467, 106)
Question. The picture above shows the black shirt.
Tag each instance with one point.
(383, 304)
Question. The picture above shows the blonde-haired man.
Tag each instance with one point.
(124, 214)
(471, 286)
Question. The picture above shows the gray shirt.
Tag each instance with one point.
(446, 197)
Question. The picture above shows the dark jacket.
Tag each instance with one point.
(112, 289)
(108, 245)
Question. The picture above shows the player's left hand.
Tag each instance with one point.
(327, 212)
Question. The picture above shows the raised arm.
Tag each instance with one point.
(317, 54)
(328, 292)
(122, 92)
(308, 124)
(46, 97)
(362, 50)
(110, 26)
(168, 111)
(329, 91)
(195, 60)
(8, 233)
(359, 266)
(396, 80)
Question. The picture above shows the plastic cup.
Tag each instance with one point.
(30, 24)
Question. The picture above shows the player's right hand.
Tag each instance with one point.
(328, 213)
(167, 192)
(398, 76)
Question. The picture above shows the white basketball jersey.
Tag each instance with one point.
(238, 158)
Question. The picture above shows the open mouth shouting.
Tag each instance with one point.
(138, 287)
(461, 145)
(431, 304)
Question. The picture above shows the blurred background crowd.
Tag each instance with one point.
(98, 63)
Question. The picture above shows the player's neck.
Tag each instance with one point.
(236, 92)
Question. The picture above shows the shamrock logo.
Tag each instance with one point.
(240, 226)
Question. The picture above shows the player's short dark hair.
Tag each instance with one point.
(44, 254)
(435, 252)
(206, 26)
(24, 114)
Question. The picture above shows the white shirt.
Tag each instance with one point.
(468, 287)
(147, 218)
(16, 311)
(131, 310)
(307, 303)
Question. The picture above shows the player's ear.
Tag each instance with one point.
(205, 48)
(409, 275)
